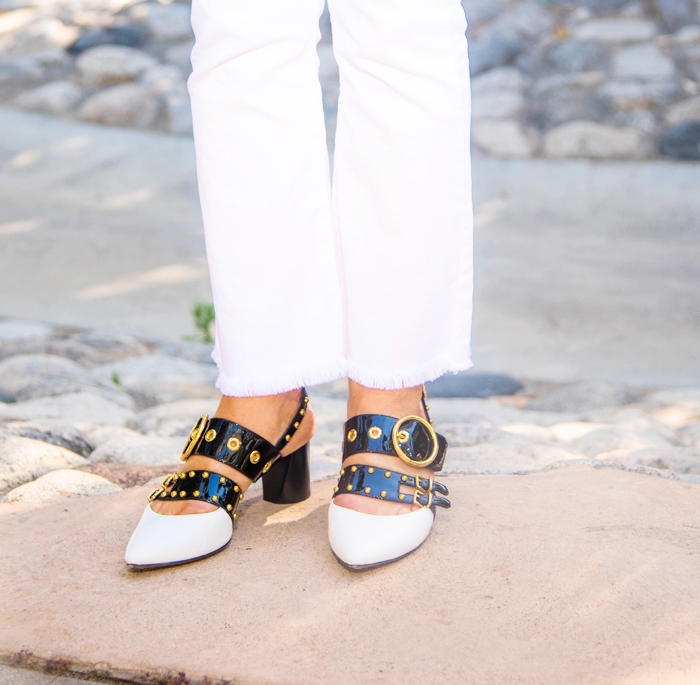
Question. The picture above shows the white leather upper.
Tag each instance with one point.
(360, 539)
(160, 539)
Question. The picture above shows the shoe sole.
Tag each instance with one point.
(148, 567)
(369, 567)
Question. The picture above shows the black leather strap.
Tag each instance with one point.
(371, 481)
(205, 486)
(373, 433)
(241, 448)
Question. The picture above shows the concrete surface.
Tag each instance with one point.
(583, 269)
(568, 577)
(22, 676)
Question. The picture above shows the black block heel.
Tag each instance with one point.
(288, 481)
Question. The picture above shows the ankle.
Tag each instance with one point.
(396, 403)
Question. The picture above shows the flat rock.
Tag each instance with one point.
(56, 433)
(502, 78)
(674, 13)
(473, 385)
(629, 94)
(577, 55)
(141, 450)
(28, 377)
(603, 440)
(56, 97)
(508, 139)
(644, 61)
(571, 103)
(20, 71)
(60, 484)
(497, 104)
(98, 434)
(673, 396)
(24, 459)
(112, 346)
(690, 435)
(189, 349)
(159, 378)
(110, 64)
(126, 104)
(130, 35)
(165, 22)
(130, 475)
(688, 35)
(595, 141)
(682, 460)
(172, 418)
(16, 329)
(87, 407)
(594, 543)
(179, 113)
(584, 397)
(612, 30)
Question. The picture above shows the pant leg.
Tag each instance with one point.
(402, 188)
(265, 193)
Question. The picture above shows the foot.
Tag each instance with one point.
(396, 403)
(269, 417)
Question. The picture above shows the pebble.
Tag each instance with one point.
(505, 138)
(110, 64)
(141, 450)
(688, 35)
(688, 110)
(581, 397)
(565, 104)
(20, 70)
(625, 94)
(615, 30)
(158, 378)
(112, 346)
(578, 55)
(188, 349)
(603, 440)
(690, 435)
(24, 459)
(62, 483)
(179, 114)
(502, 78)
(173, 418)
(13, 330)
(596, 141)
(682, 460)
(674, 13)
(497, 104)
(128, 104)
(56, 97)
(61, 434)
(130, 35)
(644, 62)
(165, 22)
(473, 385)
(681, 141)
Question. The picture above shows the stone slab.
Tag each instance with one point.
(570, 577)
(22, 676)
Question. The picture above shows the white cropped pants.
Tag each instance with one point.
(374, 279)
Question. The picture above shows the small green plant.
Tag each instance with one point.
(203, 315)
(115, 379)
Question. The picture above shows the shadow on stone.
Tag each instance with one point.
(473, 385)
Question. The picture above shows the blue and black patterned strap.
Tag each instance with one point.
(372, 481)
(204, 486)
(237, 446)
(411, 438)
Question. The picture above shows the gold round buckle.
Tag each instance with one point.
(402, 455)
(194, 437)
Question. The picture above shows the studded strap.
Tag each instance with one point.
(239, 447)
(372, 481)
(204, 486)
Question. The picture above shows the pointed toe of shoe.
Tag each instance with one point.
(363, 540)
(163, 540)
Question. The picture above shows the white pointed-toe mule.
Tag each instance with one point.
(361, 541)
(162, 540)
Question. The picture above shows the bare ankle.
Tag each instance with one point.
(397, 403)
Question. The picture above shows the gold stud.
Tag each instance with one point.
(404, 478)
(383, 493)
(182, 493)
(235, 516)
(335, 489)
(236, 488)
(353, 468)
(368, 490)
(210, 435)
(352, 435)
(182, 476)
(402, 436)
(222, 480)
(191, 474)
(349, 487)
(287, 437)
(254, 457)
(387, 474)
(173, 494)
(296, 424)
(196, 493)
(162, 494)
(267, 466)
(229, 507)
(302, 412)
(342, 472)
(306, 399)
(432, 421)
(427, 407)
(402, 497)
(240, 496)
(370, 469)
(375, 432)
(233, 444)
(205, 474)
(214, 498)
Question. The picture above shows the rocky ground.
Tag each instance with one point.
(87, 413)
(603, 79)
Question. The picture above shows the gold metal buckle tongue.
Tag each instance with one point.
(421, 491)
(396, 430)
(169, 480)
(194, 437)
